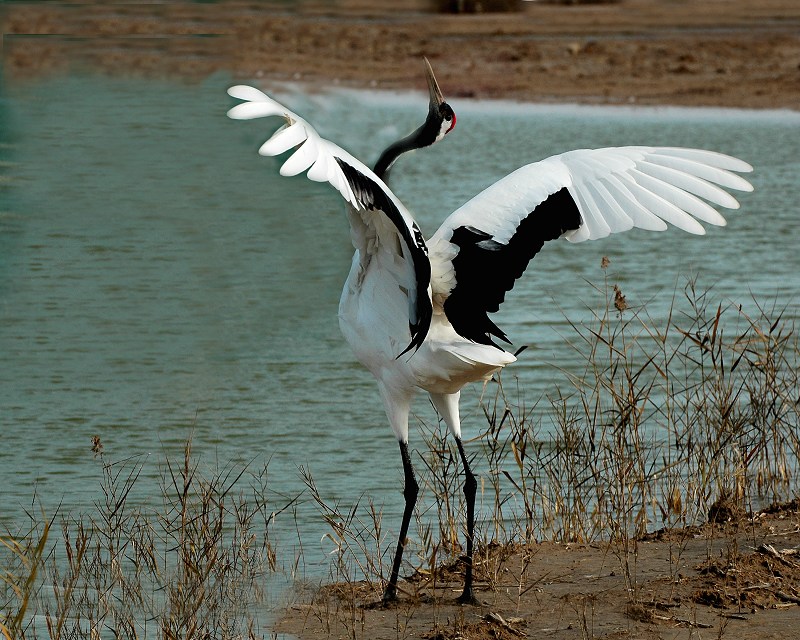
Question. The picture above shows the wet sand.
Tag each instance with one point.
(734, 579)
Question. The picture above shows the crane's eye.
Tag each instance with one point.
(449, 116)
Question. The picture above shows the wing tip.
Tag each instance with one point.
(246, 92)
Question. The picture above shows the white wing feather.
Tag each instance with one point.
(378, 220)
(651, 185)
(313, 154)
(615, 189)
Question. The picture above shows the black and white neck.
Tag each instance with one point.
(440, 121)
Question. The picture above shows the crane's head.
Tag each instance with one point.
(439, 122)
(441, 117)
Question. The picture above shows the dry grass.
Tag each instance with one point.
(19, 577)
(189, 566)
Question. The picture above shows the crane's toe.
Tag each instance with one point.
(389, 597)
(468, 598)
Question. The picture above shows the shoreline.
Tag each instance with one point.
(734, 576)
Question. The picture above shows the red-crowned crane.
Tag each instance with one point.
(416, 313)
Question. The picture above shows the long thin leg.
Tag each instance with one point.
(470, 489)
(447, 406)
(410, 491)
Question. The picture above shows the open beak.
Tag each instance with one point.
(433, 87)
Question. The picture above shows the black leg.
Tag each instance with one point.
(470, 489)
(410, 492)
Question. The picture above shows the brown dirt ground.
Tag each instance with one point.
(733, 53)
(737, 579)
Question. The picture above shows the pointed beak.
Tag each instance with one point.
(433, 87)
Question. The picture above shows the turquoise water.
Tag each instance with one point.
(159, 280)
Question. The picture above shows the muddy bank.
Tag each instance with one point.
(734, 579)
(730, 53)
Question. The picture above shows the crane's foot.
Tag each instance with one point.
(468, 598)
(389, 597)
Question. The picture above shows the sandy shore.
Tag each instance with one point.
(737, 579)
(731, 53)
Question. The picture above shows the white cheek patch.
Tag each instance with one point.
(445, 127)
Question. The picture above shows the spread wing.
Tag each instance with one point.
(485, 245)
(379, 222)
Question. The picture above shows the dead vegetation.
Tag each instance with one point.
(188, 565)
